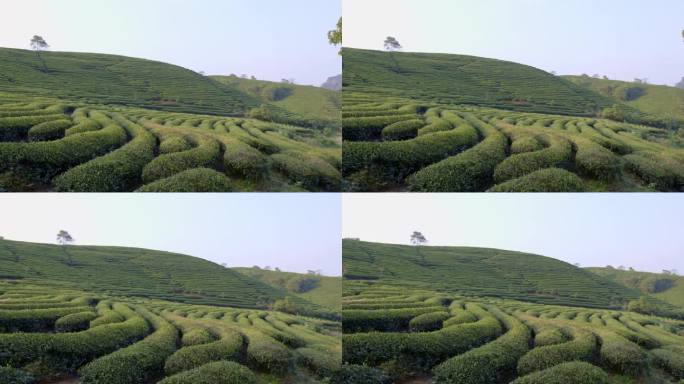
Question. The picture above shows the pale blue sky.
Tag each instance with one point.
(270, 39)
(643, 231)
(622, 39)
(293, 231)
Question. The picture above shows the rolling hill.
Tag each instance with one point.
(325, 291)
(120, 271)
(112, 79)
(309, 102)
(459, 79)
(481, 272)
(660, 100)
(668, 288)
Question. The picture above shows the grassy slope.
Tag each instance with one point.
(304, 100)
(328, 293)
(133, 272)
(456, 79)
(644, 282)
(111, 79)
(481, 272)
(656, 100)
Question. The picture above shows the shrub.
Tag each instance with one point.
(137, 363)
(116, 171)
(369, 128)
(174, 144)
(264, 352)
(75, 321)
(228, 347)
(621, 355)
(49, 130)
(581, 347)
(243, 160)
(575, 372)
(16, 128)
(436, 125)
(595, 160)
(654, 170)
(526, 144)
(33, 320)
(219, 372)
(191, 180)
(544, 180)
(322, 363)
(359, 374)
(489, 363)
(197, 336)
(84, 125)
(9, 375)
(428, 321)
(557, 154)
(205, 154)
(549, 336)
(106, 315)
(382, 320)
(670, 361)
(402, 130)
(311, 172)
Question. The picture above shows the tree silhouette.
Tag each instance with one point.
(39, 44)
(417, 238)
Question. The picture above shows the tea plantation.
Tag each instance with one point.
(666, 287)
(450, 123)
(465, 328)
(103, 123)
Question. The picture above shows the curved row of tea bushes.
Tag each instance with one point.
(219, 372)
(402, 130)
(558, 153)
(137, 363)
(228, 347)
(243, 160)
(64, 352)
(382, 320)
(83, 125)
(106, 314)
(655, 170)
(388, 305)
(526, 144)
(16, 128)
(320, 361)
(311, 172)
(544, 180)
(489, 363)
(191, 180)
(471, 170)
(75, 322)
(49, 130)
(670, 361)
(619, 354)
(205, 153)
(116, 171)
(595, 161)
(394, 160)
(581, 347)
(575, 372)
(174, 144)
(428, 322)
(375, 113)
(369, 128)
(619, 328)
(549, 335)
(196, 336)
(459, 315)
(33, 320)
(266, 353)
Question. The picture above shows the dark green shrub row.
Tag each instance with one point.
(374, 113)
(488, 364)
(174, 144)
(9, 375)
(359, 374)
(137, 363)
(428, 321)
(549, 336)
(596, 161)
(116, 171)
(471, 170)
(374, 305)
(75, 322)
(641, 340)
(435, 125)
(33, 320)
(581, 347)
(43, 160)
(575, 372)
(544, 180)
(385, 320)
(621, 355)
(558, 153)
(84, 125)
(191, 180)
(526, 144)
(369, 128)
(656, 170)
(266, 353)
(228, 347)
(459, 316)
(219, 372)
(197, 336)
(402, 130)
(422, 350)
(395, 160)
(322, 362)
(40, 305)
(16, 128)
(311, 172)
(670, 361)
(63, 352)
(204, 154)
(615, 145)
(243, 160)
(49, 130)
(106, 315)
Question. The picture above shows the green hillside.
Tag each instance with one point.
(325, 291)
(481, 272)
(660, 100)
(111, 79)
(459, 79)
(668, 288)
(134, 272)
(309, 102)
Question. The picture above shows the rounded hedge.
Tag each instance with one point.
(219, 372)
(49, 130)
(544, 180)
(228, 347)
(557, 154)
(75, 321)
(174, 144)
(359, 374)
(428, 321)
(581, 347)
(402, 130)
(575, 372)
(197, 336)
(191, 180)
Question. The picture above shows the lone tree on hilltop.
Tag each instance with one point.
(417, 238)
(391, 44)
(335, 35)
(39, 44)
(64, 238)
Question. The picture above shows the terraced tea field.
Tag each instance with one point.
(406, 145)
(53, 335)
(403, 335)
(54, 145)
(451, 123)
